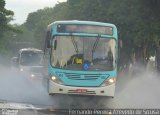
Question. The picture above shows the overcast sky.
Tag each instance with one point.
(21, 8)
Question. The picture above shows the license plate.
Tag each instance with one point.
(81, 90)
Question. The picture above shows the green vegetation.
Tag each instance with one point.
(137, 21)
(7, 31)
(5, 16)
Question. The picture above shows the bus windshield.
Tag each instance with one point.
(73, 52)
(31, 58)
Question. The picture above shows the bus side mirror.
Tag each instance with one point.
(47, 40)
(48, 44)
(55, 44)
(120, 43)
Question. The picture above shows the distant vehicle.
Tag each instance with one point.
(82, 58)
(29, 60)
(157, 58)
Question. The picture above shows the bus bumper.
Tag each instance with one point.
(55, 88)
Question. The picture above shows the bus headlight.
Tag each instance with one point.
(56, 80)
(32, 75)
(21, 69)
(109, 81)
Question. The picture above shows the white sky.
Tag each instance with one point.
(21, 8)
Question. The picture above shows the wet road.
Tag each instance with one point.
(137, 91)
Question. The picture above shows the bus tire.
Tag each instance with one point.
(51, 94)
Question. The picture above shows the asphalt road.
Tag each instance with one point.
(141, 90)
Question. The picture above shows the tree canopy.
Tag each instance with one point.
(5, 16)
(137, 21)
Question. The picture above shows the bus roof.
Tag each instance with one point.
(81, 22)
(30, 49)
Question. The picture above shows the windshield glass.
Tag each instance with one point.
(31, 58)
(83, 53)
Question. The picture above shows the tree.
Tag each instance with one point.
(137, 21)
(39, 20)
(5, 15)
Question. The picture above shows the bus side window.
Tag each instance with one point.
(55, 44)
(48, 39)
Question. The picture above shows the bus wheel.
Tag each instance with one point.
(51, 94)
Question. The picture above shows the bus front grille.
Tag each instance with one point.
(75, 76)
(75, 92)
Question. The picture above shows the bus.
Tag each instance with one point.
(29, 61)
(82, 58)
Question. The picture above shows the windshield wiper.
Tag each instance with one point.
(74, 44)
(95, 45)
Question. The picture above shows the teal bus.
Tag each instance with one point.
(82, 58)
